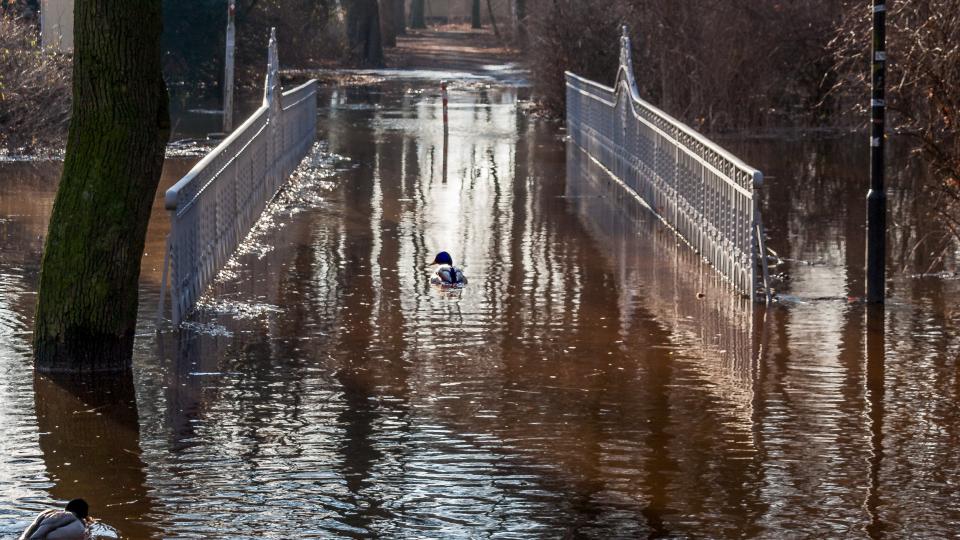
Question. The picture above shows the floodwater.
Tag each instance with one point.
(593, 380)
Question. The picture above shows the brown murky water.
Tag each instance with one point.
(578, 387)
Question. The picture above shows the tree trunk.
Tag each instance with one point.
(416, 14)
(475, 14)
(399, 17)
(493, 19)
(363, 32)
(388, 25)
(519, 22)
(87, 305)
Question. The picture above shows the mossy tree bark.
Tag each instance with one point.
(87, 306)
(363, 32)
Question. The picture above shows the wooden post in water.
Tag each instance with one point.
(446, 128)
(228, 68)
(876, 198)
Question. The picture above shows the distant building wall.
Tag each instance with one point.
(56, 24)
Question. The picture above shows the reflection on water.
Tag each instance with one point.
(594, 379)
(89, 438)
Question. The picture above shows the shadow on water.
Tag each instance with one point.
(90, 441)
(705, 331)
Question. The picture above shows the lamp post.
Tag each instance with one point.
(876, 198)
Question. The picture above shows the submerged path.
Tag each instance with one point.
(450, 47)
(578, 387)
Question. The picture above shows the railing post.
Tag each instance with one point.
(163, 280)
(272, 85)
(443, 98)
(626, 60)
(175, 276)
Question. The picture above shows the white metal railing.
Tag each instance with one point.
(703, 192)
(216, 204)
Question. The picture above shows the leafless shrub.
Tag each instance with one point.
(310, 34)
(35, 89)
(569, 35)
(923, 87)
(718, 65)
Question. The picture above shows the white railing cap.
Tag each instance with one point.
(173, 193)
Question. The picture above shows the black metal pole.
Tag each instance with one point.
(876, 198)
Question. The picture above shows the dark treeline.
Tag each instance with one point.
(310, 33)
(923, 82)
(718, 65)
(35, 85)
(748, 65)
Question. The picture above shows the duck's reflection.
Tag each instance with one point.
(90, 440)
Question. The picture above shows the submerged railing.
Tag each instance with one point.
(724, 340)
(216, 204)
(703, 192)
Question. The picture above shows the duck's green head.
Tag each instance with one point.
(443, 258)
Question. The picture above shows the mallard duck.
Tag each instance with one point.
(68, 524)
(447, 274)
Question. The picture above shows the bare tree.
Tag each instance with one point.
(493, 19)
(687, 60)
(519, 22)
(34, 88)
(363, 32)
(399, 17)
(388, 24)
(475, 14)
(417, 19)
(923, 77)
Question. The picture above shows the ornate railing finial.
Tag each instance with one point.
(626, 59)
(272, 49)
(272, 89)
